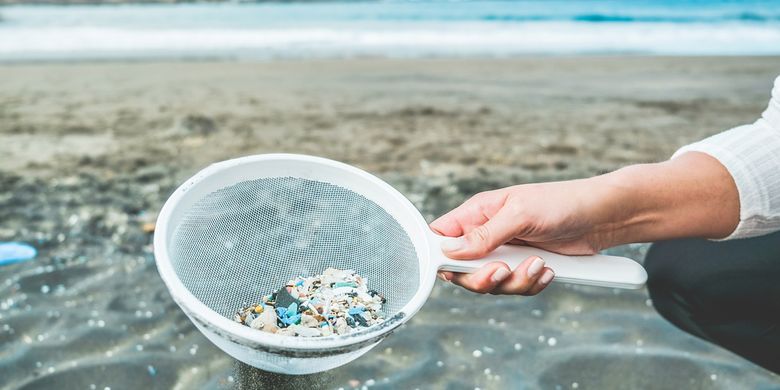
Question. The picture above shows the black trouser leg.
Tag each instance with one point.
(725, 292)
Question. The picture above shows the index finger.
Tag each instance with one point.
(461, 219)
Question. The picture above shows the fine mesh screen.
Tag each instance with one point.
(243, 241)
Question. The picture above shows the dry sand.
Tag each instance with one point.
(89, 151)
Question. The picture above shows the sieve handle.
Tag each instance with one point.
(592, 270)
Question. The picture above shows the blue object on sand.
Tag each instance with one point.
(16, 252)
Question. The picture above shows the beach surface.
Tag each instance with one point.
(90, 151)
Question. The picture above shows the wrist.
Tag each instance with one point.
(618, 212)
(692, 195)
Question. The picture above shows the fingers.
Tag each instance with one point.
(459, 220)
(544, 280)
(447, 225)
(484, 238)
(445, 275)
(529, 278)
(485, 279)
(472, 213)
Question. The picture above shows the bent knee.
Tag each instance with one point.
(663, 265)
(668, 283)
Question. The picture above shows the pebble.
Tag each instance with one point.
(336, 302)
(147, 227)
(477, 353)
(552, 341)
(518, 346)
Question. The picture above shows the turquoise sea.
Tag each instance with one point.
(391, 29)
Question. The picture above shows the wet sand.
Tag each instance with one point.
(89, 151)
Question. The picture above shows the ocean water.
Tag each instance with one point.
(391, 29)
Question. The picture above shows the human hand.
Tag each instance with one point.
(692, 195)
(553, 216)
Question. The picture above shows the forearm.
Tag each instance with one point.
(692, 195)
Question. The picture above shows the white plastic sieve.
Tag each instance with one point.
(241, 228)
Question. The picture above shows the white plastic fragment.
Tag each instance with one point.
(336, 302)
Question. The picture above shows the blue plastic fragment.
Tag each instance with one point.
(355, 310)
(16, 252)
(281, 312)
(152, 371)
(291, 320)
(299, 283)
(293, 308)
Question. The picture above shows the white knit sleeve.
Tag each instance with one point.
(751, 153)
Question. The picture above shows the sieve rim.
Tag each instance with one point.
(238, 333)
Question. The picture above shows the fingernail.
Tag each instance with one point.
(442, 276)
(546, 277)
(452, 244)
(535, 267)
(500, 274)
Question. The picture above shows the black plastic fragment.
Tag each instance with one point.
(284, 299)
(374, 293)
(360, 319)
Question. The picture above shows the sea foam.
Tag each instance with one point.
(390, 29)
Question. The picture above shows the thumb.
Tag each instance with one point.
(482, 239)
